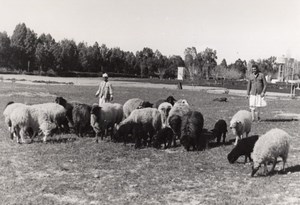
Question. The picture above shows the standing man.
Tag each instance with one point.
(256, 90)
(105, 91)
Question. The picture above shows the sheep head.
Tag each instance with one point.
(61, 101)
(171, 100)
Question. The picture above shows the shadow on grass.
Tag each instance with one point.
(279, 120)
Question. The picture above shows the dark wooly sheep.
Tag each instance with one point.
(191, 129)
(169, 99)
(164, 136)
(78, 115)
(175, 124)
(68, 106)
(81, 118)
(222, 99)
(122, 132)
(243, 147)
(220, 130)
(135, 129)
(139, 134)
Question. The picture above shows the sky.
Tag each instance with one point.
(245, 29)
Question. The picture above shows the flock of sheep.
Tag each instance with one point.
(145, 124)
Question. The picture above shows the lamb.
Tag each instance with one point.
(7, 112)
(105, 117)
(25, 117)
(133, 104)
(191, 129)
(169, 99)
(164, 136)
(220, 130)
(240, 124)
(243, 147)
(180, 108)
(164, 109)
(150, 118)
(273, 144)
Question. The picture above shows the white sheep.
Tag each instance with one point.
(25, 117)
(56, 113)
(273, 144)
(7, 112)
(150, 118)
(240, 124)
(164, 109)
(105, 117)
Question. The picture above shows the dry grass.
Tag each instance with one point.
(79, 171)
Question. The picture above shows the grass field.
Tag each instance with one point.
(79, 171)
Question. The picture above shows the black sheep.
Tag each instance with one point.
(222, 99)
(191, 129)
(122, 133)
(243, 147)
(81, 118)
(139, 134)
(169, 99)
(164, 136)
(175, 124)
(220, 130)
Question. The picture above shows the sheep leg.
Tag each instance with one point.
(224, 136)
(265, 168)
(283, 163)
(274, 164)
(236, 140)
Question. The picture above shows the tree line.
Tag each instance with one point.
(27, 52)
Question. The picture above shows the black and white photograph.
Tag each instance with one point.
(149, 102)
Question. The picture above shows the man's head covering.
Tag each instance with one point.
(105, 75)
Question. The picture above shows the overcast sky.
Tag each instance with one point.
(246, 29)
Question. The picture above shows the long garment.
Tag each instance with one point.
(104, 92)
(257, 85)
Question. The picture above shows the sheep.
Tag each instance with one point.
(222, 99)
(220, 130)
(133, 104)
(180, 108)
(105, 117)
(25, 117)
(240, 124)
(78, 115)
(164, 136)
(7, 112)
(150, 118)
(169, 99)
(164, 109)
(81, 118)
(273, 144)
(191, 129)
(243, 147)
(56, 113)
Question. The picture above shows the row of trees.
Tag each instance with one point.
(26, 51)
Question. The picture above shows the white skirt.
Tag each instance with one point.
(257, 101)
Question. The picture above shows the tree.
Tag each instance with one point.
(209, 57)
(19, 57)
(5, 50)
(43, 55)
(69, 55)
(224, 63)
